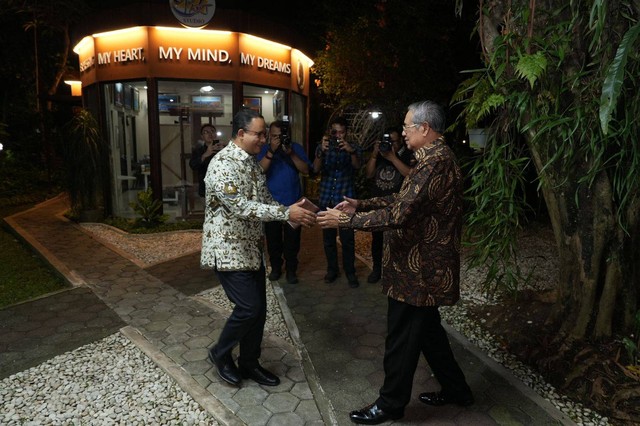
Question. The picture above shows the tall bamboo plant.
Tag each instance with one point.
(560, 89)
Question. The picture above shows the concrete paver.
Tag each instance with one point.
(334, 367)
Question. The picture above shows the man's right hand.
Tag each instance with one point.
(299, 214)
(213, 149)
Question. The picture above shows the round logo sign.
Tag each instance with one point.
(193, 13)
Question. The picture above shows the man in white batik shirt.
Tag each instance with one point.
(237, 202)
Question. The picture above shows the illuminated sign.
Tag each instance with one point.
(193, 13)
(129, 53)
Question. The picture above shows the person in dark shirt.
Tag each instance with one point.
(203, 152)
(387, 168)
(337, 160)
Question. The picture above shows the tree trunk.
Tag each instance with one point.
(597, 258)
(599, 282)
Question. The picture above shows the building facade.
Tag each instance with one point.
(153, 87)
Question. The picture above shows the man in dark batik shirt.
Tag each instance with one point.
(421, 264)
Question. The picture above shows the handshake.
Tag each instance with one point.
(304, 212)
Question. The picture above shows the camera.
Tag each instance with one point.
(385, 143)
(334, 142)
(285, 140)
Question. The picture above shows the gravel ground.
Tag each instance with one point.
(107, 382)
(138, 392)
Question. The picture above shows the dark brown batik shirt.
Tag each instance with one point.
(422, 224)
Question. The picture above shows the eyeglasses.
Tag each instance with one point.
(258, 134)
(208, 132)
(405, 127)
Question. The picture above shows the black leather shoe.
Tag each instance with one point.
(353, 281)
(372, 415)
(274, 274)
(227, 369)
(260, 375)
(330, 277)
(374, 276)
(438, 398)
(292, 278)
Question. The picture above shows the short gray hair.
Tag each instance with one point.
(429, 112)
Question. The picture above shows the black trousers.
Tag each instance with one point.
(347, 239)
(412, 330)
(283, 242)
(245, 326)
(376, 249)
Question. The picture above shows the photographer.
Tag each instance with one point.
(283, 161)
(389, 163)
(337, 160)
(203, 152)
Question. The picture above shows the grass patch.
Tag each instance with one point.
(24, 275)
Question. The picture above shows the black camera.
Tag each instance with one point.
(385, 143)
(334, 142)
(284, 131)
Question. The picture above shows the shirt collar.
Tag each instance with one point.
(425, 151)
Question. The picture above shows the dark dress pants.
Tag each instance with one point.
(245, 326)
(377, 239)
(283, 241)
(347, 240)
(413, 330)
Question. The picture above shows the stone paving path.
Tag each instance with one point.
(334, 367)
(177, 326)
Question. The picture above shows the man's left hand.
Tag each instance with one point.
(329, 218)
(388, 155)
(346, 146)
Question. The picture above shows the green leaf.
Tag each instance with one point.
(615, 76)
(531, 67)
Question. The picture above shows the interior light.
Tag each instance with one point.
(375, 114)
(206, 89)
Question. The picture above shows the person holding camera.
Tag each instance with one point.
(283, 161)
(337, 160)
(389, 163)
(203, 152)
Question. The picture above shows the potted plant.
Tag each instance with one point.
(84, 167)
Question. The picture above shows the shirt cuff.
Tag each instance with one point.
(344, 220)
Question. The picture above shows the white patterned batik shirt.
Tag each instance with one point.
(237, 203)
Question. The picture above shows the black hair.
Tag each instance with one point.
(242, 119)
